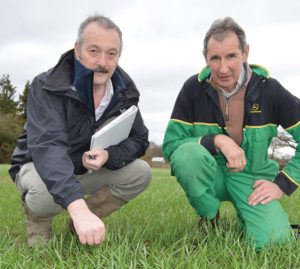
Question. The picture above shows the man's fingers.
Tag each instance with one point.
(235, 166)
(264, 192)
(256, 197)
(92, 238)
(99, 237)
(82, 239)
(93, 235)
(266, 200)
(259, 197)
(261, 200)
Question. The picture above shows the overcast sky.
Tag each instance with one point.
(162, 41)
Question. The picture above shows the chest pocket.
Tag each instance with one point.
(259, 140)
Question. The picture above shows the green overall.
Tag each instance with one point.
(207, 181)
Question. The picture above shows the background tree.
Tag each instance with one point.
(10, 129)
(10, 123)
(23, 102)
(7, 93)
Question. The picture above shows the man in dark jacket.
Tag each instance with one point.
(222, 124)
(66, 105)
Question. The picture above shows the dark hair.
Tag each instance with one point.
(220, 27)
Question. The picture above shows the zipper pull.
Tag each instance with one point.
(226, 116)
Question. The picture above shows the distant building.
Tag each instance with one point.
(158, 160)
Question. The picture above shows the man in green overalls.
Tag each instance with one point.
(218, 136)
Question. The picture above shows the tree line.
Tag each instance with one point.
(13, 114)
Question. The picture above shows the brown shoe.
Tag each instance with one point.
(213, 222)
(102, 203)
(38, 229)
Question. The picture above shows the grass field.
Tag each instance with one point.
(156, 230)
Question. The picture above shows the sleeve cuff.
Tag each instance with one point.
(113, 162)
(287, 186)
(208, 142)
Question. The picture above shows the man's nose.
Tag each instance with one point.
(223, 67)
(101, 60)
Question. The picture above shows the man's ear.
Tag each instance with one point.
(204, 56)
(76, 50)
(246, 54)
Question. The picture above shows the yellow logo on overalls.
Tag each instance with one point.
(255, 108)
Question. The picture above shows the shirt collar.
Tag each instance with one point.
(243, 80)
(109, 92)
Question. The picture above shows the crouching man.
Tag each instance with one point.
(66, 105)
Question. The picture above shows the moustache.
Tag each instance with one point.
(101, 69)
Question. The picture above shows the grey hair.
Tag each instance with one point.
(220, 27)
(104, 22)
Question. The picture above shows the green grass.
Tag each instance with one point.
(4, 170)
(156, 230)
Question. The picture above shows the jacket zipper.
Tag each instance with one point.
(226, 115)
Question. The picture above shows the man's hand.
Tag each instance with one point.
(234, 154)
(94, 159)
(264, 192)
(89, 228)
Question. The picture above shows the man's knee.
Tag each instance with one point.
(137, 176)
(191, 158)
(265, 238)
(41, 203)
(269, 227)
(143, 173)
(35, 193)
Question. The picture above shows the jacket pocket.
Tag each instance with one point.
(259, 155)
(259, 142)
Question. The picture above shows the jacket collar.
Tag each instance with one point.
(69, 73)
(257, 69)
(60, 76)
(83, 83)
(253, 91)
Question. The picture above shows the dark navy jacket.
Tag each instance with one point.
(61, 121)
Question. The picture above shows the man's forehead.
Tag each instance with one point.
(224, 41)
(95, 33)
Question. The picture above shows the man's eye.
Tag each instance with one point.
(93, 51)
(214, 58)
(112, 54)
